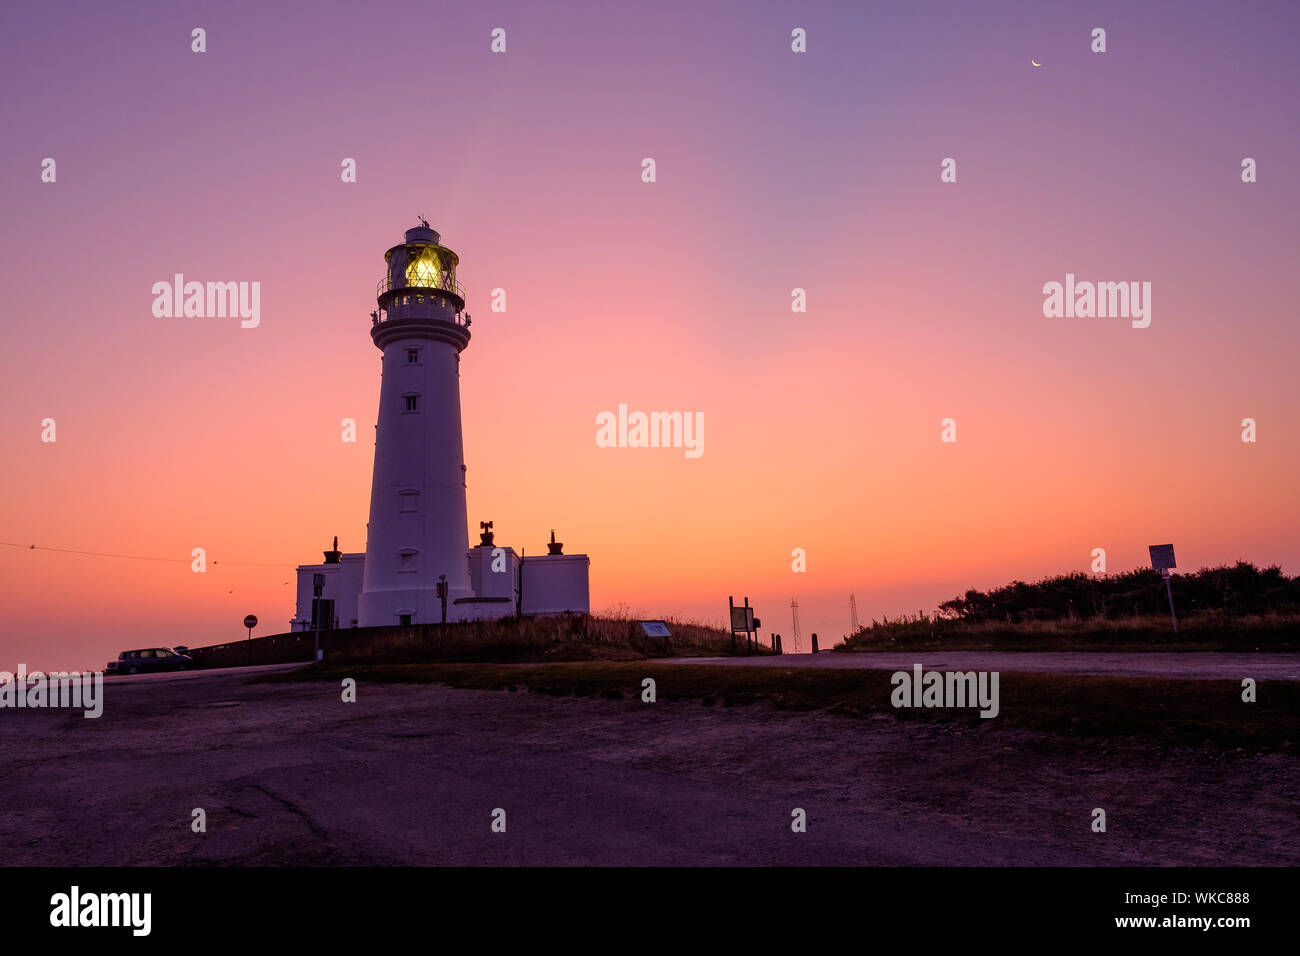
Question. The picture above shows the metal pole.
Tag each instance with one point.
(1170, 591)
(317, 592)
(750, 638)
(519, 594)
(250, 646)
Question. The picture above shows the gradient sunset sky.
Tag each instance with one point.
(775, 170)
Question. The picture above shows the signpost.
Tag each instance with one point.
(317, 585)
(742, 618)
(1162, 559)
(660, 630)
(250, 622)
(743, 621)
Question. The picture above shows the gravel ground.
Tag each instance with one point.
(410, 774)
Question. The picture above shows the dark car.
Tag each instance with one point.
(147, 660)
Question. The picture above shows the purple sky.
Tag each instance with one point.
(776, 170)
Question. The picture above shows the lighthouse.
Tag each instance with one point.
(418, 565)
(418, 534)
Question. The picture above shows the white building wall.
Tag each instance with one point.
(556, 584)
(553, 584)
(342, 586)
(486, 580)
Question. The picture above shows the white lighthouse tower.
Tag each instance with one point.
(418, 531)
(418, 536)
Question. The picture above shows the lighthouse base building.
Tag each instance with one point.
(418, 567)
(502, 584)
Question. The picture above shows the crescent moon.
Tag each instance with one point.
(1035, 62)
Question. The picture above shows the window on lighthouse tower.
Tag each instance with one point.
(412, 403)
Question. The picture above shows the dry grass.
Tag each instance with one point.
(560, 638)
(1205, 631)
(1164, 712)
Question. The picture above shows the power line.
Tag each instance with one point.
(140, 557)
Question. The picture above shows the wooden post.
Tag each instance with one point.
(731, 620)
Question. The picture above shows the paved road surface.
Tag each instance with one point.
(1188, 665)
(200, 674)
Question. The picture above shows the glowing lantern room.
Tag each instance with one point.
(421, 277)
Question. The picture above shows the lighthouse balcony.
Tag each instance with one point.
(420, 307)
(422, 313)
(435, 293)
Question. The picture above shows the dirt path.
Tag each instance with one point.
(410, 774)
